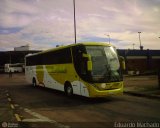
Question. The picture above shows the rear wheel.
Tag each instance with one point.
(34, 82)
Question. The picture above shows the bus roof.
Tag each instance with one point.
(71, 45)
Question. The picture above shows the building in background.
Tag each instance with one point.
(22, 48)
(141, 61)
(13, 57)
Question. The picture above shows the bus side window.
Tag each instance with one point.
(79, 61)
(83, 65)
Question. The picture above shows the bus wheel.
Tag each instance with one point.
(34, 82)
(68, 90)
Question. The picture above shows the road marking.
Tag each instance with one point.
(16, 105)
(46, 119)
(37, 120)
(9, 99)
(42, 119)
(17, 117)
(12, 106)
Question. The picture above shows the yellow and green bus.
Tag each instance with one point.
(88, 69)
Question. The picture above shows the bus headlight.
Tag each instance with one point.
(103, 85)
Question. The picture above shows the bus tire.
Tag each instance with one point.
(34, 83)
(68, 89)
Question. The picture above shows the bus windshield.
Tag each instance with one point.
(106, 67)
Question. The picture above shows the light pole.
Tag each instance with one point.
(74, 21)
(10, 57)
(141, 47)
(133, 45)
(108, 38)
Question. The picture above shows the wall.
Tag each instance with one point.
(141, 60)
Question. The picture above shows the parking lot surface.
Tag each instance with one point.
(42, 107)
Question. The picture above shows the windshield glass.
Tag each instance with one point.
(106, 67)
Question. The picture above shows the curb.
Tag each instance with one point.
(151, 96)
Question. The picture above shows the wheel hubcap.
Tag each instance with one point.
(69, 90)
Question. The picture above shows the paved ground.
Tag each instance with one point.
(5, 112)
(41, 107)
(146, 86)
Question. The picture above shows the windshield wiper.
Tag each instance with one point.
(111, 77)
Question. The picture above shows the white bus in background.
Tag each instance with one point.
(17, 67)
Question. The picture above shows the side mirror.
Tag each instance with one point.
(123, 65)
(89, 65)
(122, 62)
(89, 61)
(86, 56)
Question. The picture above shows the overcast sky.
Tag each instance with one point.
(44, 24)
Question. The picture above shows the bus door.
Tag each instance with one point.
(80, 67)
